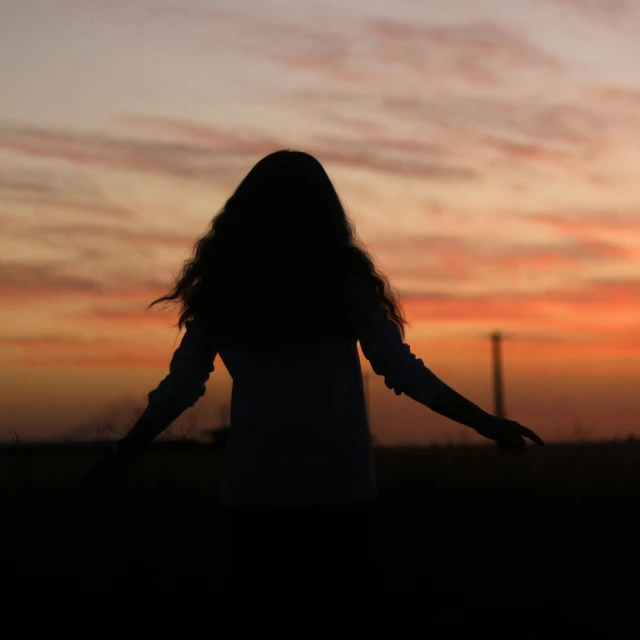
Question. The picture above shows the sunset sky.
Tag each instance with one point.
(488, 152)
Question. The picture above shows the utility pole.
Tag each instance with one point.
(498, 396)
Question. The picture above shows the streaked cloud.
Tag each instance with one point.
(618, 96)
(68, 234)
(391, 155)
(483, 53)
(71, 350)
(388, 66)
(600, 9)
(52, 341)
(562, 310)
(134, 316)
(185, 159)
(201, 135)
(169, 159)
(489, 135)
(36, 281)
(459, 259)
(479, 53)
(591, 224)
(20, 279)
(118, 360)
(73, 193)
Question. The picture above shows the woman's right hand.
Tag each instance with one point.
(102, 477)
(509, 434)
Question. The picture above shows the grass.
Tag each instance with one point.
(462, 530)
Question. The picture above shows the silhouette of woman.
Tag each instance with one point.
(281, 288)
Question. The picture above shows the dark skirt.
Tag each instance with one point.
(301, 551)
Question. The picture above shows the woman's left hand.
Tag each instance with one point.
(509, 434)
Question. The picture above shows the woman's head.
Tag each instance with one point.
(273, 259)
(288, 200)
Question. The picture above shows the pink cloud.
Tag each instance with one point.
(36, 281)
(138, 317)
(122, 361)
(563, 309)
(121, 235)
(58, 191)
(600, 9)
(186, 161)
(590, 224)
(53, 341)
(479, 53)
(226, 162)
(457, 259)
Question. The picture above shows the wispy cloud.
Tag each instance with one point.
(483, 53)
(618, 96)
(72, 234)
(67, 193)
(122, 360)
(36, 281)
(21, 279)
(600, 9)
(393, 155)
(478, 53)
(401, 73)
(562, 309)
(487, 134)
(518, 129)
(52, 341)
(137, 316)
(463, 260)
(46, 349)
(457, 134)
(70, 350)
(202, 135)
(591, 224)
(171, 159)
(230, 158)
(409, 165)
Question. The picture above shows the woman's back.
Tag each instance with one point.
(299, 431)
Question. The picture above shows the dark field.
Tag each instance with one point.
(465, 538)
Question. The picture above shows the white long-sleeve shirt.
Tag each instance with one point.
(299, 430)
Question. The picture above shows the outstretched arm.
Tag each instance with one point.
(189, 370)
(382, 345)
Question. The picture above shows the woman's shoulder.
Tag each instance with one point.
(200, 327)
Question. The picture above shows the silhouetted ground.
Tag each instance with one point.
(467, 539)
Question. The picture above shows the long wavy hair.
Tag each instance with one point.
(273, 261)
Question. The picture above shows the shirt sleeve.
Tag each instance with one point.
(382, 345)
(189, 370)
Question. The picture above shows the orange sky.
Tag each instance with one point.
(487, 150)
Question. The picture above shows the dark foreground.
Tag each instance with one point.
(467, 540)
